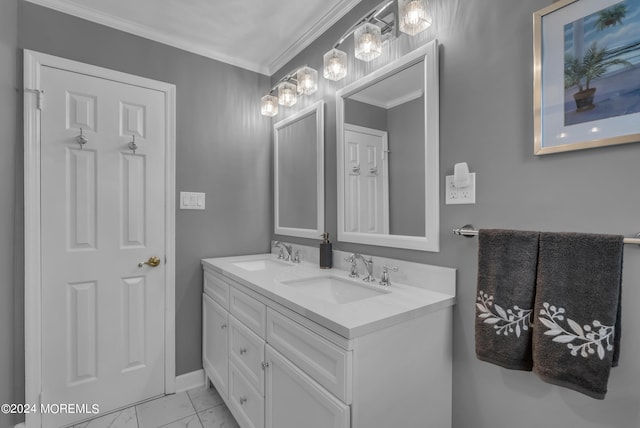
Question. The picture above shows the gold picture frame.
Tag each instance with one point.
(586, 75)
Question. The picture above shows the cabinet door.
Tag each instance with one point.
(295, 400)
(215, 344)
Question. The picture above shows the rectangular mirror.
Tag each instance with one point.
(388, 144)
(298, 171)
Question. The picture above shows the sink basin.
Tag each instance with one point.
(335, 289)
(260, 264)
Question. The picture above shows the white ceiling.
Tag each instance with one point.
(396, 89)
(259, 35)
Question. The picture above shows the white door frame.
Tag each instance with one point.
(33, 101)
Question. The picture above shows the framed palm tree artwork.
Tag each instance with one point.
(586, 74)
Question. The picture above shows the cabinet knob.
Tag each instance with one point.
(223, 326)
(242, 401)
(265, 364)
(243, 351)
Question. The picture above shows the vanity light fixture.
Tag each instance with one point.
(269, 105)
(414, 16)
(287, 94)
(307, 79)
(367, 41)
(374, 28)
(301, 81)
(335, 64)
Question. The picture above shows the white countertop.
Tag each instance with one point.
(349, 320)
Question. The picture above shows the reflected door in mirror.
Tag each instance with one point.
(367, 180)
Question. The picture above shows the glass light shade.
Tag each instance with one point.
(414, 16)
(287, 94)
(307, 79)
(368, 41)
(335, 65)
(269, 106)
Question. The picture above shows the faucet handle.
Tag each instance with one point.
(354, 268)
(296, 257)
(385, 280)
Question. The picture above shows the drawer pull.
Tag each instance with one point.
(243, 351)
(265, 364)
(242, 401)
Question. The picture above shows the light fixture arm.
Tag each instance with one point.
(289, 77)
(370, 16)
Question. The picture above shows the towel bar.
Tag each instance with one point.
(469, 232)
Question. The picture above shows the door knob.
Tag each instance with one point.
(153, 262)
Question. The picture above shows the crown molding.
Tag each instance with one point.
(323, 24)
(146, 32)
(388, 104)
(301, 42)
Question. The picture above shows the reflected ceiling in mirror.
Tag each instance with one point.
(387, 132)
(299, 173)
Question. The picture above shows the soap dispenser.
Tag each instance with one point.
(326, 254)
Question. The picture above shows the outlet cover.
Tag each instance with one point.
(463, 195)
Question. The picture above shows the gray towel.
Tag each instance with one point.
(577, 311)
(507, 262)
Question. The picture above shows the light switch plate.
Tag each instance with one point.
(192, 201)
(463, 195)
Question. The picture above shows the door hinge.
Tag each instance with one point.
(40, 97)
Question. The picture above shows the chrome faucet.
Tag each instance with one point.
(285, 250)
(354, 267)
(368, 264)
(385, 281)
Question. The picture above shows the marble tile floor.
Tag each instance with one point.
(196, 408)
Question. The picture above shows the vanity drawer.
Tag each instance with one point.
(325, 362)
(246, 404)
(216, 288)
(246, 350)
(248, 310)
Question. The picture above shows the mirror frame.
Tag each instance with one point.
(430, 242)
(317, 109)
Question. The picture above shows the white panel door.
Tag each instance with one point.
(103, 211)
(366, 198)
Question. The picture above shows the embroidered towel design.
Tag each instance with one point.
(576, 328)
(515, 320)
(586, 340)
(507, 262)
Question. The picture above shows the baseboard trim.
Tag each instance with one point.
(191, 380)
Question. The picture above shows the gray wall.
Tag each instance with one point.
(222, 148)
(486, 119)
(406, 162)
(8, 171)
(363, 114)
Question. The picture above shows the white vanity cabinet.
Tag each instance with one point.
(215, 356)
(285, 370)
(233, 348)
